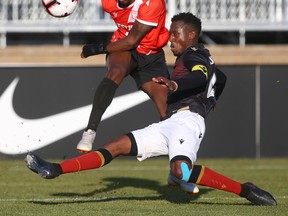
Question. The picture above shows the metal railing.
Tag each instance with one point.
(236, 14)
(26, 16)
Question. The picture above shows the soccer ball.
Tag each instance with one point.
(60, 8)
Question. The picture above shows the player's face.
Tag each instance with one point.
(181, 37)
(125, 3)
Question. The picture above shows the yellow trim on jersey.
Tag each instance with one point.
(201, 68)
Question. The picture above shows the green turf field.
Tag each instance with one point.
(128, 187)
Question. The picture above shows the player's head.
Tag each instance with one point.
(184, 32)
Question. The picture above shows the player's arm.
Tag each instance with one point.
(190, 81)
(136, 34)
(197, 76)
(163, 81)
(196, 79)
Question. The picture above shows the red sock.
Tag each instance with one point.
(92, 160)
(210, 178)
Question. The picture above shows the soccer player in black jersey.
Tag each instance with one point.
(195, 86)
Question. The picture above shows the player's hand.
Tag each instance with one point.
(93, 49)
(171, 85)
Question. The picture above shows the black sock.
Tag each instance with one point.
(57, 168)
(134, 148)
(102, 99)
(106, 154)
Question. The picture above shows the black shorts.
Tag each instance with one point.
(148, 66)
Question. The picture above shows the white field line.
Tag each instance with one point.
(252, 167)
(158, 168)
(55, 199)
(80, 199)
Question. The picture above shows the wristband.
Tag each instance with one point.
(93, 49)
(176, 85)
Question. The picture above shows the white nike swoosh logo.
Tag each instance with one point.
(19, 135)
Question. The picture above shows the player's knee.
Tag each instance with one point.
(177, 173)
(119, 146)
(181, 169)
(116, 74)
(176, 169)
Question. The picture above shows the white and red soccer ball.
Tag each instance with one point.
(60, 8)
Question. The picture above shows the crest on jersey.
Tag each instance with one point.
(114, 14)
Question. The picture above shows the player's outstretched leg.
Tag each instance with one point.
(202, 175)
(185, 186)
(48, 170)
(43, 168)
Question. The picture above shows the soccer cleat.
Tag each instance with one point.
(85, 144)
(41, 167)
(258, 196)
(185, 186)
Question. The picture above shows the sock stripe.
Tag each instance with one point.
(195, 175)
(101, 158)
(201, 174)
(79, 165)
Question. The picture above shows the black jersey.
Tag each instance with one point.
(200, 83)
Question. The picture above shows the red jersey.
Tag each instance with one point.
(147, 12)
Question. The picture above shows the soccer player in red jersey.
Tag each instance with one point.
(135, 49)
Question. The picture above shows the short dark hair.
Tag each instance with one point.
(190, 19)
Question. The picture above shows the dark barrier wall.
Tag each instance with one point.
(249, 120)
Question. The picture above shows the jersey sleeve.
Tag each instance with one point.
(220, 82)
(197, 76)
(148, 12)
(194, 64)
(105, 5)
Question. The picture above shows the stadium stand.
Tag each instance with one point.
(240, 16)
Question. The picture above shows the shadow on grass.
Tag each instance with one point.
(173, 195)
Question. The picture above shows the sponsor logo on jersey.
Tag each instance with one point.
(128, 28)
